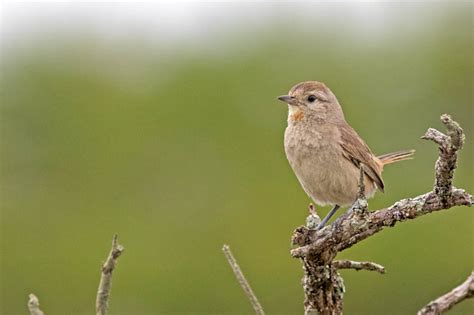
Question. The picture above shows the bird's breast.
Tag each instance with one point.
(308, 149)
(300, 136)
(316, 157)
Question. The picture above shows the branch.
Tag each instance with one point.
(243, 282)
(323, 286)
(447, 301)
(33, 305)
(358, 265)
(101, 304)
(449, 145)
(351, 228)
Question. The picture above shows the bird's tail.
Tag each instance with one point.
(393, 157)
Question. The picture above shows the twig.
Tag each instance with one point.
(323, 286)
(243, 282)
(33, 305)
(447, 301)
(360, 206)
(449, 145)
(103, 293)
(361, 194)
(358, 265)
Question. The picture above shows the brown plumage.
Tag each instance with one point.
(358, 152)
(325, 152)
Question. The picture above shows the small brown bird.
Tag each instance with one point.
(325, 152)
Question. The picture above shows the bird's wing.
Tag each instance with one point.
(356, 151)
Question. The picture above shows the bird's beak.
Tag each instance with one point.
(287, 99)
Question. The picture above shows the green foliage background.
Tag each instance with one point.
(179, 151)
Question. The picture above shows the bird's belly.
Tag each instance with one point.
(325, 174)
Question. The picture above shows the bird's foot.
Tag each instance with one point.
(326, 219)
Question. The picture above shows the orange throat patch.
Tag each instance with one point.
(297, 115)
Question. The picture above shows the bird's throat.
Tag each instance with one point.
(295, 114)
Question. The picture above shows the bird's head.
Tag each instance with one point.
(312, 99)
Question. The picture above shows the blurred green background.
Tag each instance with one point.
(160, 123)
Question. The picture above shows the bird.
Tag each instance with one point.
(326, 153)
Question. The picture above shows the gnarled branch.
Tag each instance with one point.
(350, 228)
(322, 283)
(449, 145)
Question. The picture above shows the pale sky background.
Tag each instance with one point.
(197, 24)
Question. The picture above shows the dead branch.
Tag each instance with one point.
(447, 301)
(358, 265)
(33, 305)
(449, 145)
(322, 284)
(103, 293)
(243, 282)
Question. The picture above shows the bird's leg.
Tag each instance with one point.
(326, 219)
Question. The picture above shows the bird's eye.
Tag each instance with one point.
(311, 98)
